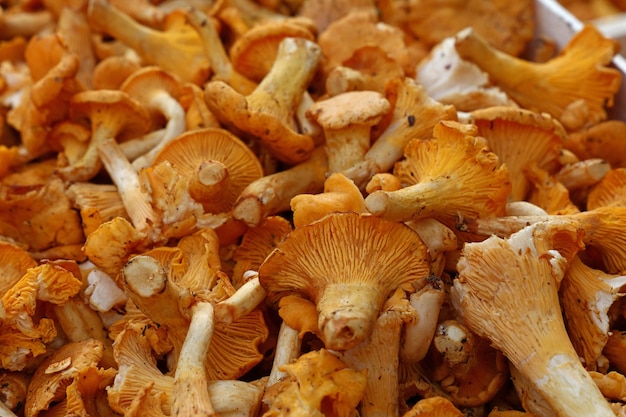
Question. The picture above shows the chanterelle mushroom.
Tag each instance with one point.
(507, 291)
(454, 174)
(268, 112)
(580, 72)
(346, 264)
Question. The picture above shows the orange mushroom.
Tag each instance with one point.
(529, 328)
(434, 173)
(268, 112)
(580, 72)
(322, 263)
(217, 164)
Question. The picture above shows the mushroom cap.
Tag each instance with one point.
(364, 256)
(15, 262)
(508, 26)
(145, 84)
(187, 152)
(520, 137)
(349, 108)
(121, 113)
(610, 191)
(254, 52)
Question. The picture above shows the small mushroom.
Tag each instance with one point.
(347, 120)
(112, 114)
(218, 165)
(520, 137)
(414, 116)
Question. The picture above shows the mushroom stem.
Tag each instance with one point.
(209, 181)
(281, 90)
(273, 193)
(418, 336)
(79, 322)
(214, 49)
(242, 302)
(408, 203)
(288, 347)
(191, 392)
(379, 355)
(126, 180)
(347, 313)
(171, 109)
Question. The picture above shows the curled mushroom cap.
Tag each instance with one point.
(217, 163)
(516, 281)
(335, 263)
(320, 384)
(579, 74)
(57, 371)
(453, 174)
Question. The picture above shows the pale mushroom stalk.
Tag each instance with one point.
(79, 322)
(243, 301)
(175, 115)
(268, 113)
(272, 194)
(191, 393)
(214, 48)
(288, 348)
(379, 354)
(418, 336)
(127, 182)
(603, 229)
(519, 312)
(134, 148)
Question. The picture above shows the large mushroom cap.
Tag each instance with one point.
(347, 264)
(220, 149)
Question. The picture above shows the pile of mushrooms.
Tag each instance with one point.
(308, 208)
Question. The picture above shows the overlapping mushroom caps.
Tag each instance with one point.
(342, 268)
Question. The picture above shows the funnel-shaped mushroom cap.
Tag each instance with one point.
(347, 265)
(507, 291)
(192, 149)
(520, 137)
